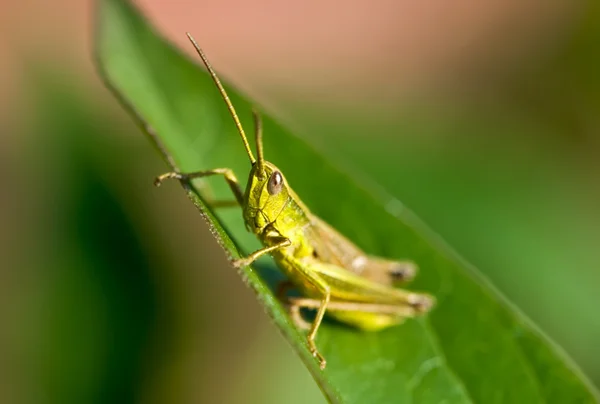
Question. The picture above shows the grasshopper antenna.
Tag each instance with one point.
(259, 145)
(230, 107)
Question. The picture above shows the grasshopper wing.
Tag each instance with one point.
(333, 248)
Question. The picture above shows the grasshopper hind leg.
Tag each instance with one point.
(365, 316)
(348, 297)
(370, 317)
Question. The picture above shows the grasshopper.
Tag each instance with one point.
(333, 274)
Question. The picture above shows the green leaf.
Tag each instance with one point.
(474, 346)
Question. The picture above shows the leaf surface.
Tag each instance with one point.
(474, 346)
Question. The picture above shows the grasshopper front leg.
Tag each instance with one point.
(227, 173)
(242, 262)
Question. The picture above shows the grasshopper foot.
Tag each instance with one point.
(172, 175)
(316, 354)
(240, 263)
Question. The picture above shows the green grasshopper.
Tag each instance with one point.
(333, 274)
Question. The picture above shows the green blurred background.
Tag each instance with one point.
(483, 119)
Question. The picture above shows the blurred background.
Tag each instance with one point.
(483, 117)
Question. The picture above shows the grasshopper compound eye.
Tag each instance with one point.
(275, 183)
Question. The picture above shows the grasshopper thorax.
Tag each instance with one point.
(266, 196)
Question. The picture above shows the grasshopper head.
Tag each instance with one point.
(266, 195)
